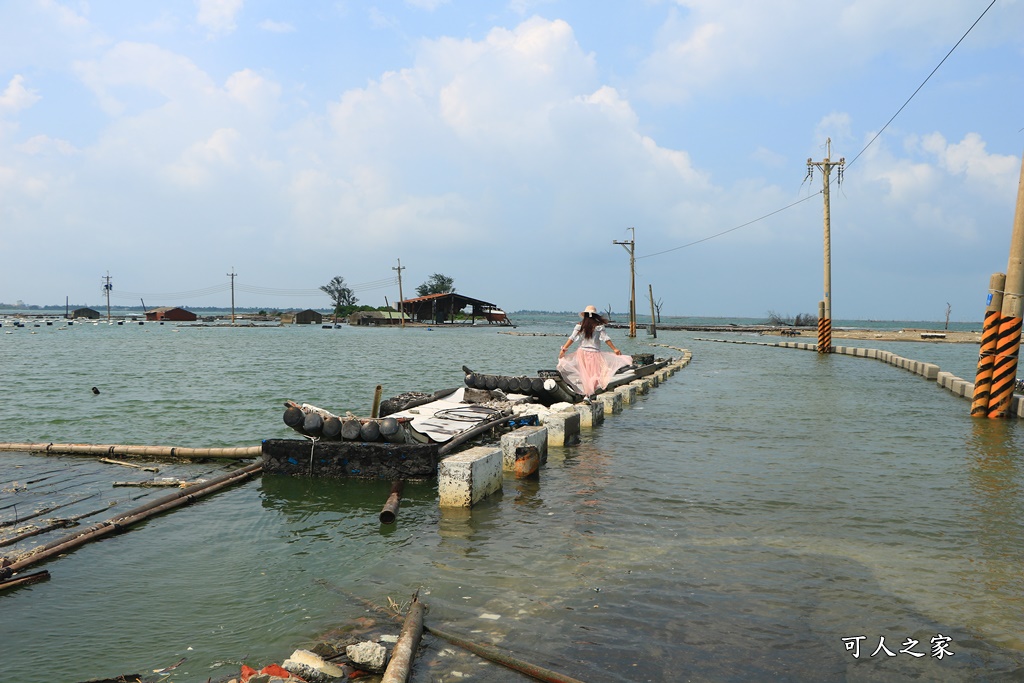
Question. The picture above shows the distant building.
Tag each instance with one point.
(171, 313)
(306, 317)
(376, 318)
(90, 313)
(441, 308)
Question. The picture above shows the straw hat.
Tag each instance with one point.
(589, 310)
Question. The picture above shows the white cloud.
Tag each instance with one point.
(44, 144)
(218, 16)
(16, 96)
(201, 161)
(277, 26)
(745, 46)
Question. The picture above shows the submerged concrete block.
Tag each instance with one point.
(524, 436)
(612, 402)
(929, 370)
(641, 386)
(627, 392)
(466, 478)
(591, 414)
(563, 428)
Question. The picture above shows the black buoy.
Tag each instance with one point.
(95, 391)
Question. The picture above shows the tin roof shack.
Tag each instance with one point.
(90, 313)
(306, 317)
(171, 313)
(376, 318)
(441, 308)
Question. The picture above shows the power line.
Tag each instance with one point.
(858, 155)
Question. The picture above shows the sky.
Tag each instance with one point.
(509, 145)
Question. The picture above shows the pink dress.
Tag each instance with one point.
(589, 368)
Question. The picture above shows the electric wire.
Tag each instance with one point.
(849, 163)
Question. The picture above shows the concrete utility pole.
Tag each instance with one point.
(401, 299)
(232, 275)
(826, 166)
(630, 245)
(1004, 369)
(106, 290)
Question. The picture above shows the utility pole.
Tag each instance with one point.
(106, 290)
(654, 328)
(232, 275)
(826, 166)
(629, 246)
(401, 299)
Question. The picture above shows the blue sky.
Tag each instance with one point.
(508, 145)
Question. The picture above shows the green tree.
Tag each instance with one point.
(340, 293)
(437, 284)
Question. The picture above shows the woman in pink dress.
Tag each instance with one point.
(590, 368)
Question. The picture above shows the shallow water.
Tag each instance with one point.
(737, 523)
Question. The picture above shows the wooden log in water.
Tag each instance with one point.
(376, 401)
(404, 651)
(25, 580)
(234, 453)
(119, 523)
(389, 513)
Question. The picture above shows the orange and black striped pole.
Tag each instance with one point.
(1004, 369)
(824, 330)
(989, 335)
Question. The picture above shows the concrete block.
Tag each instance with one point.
(942, 379)
(612, 402)
(957, 386)
(563, 428)
(627, 392)
(930, 371)
(840, 349)
(466, 478)
(524, 436)
(641, 386)
(591, 414)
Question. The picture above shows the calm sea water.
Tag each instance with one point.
(743, 521)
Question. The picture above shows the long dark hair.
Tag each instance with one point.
(590, 322)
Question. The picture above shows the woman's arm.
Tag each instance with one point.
(612, 347)
(565, 347)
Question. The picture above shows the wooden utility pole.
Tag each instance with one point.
(654, 329)
(401, 299)
(826, 166)
(630, 245)
(233, 275)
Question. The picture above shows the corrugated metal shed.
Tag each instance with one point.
(441, 308)
(171, 313)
